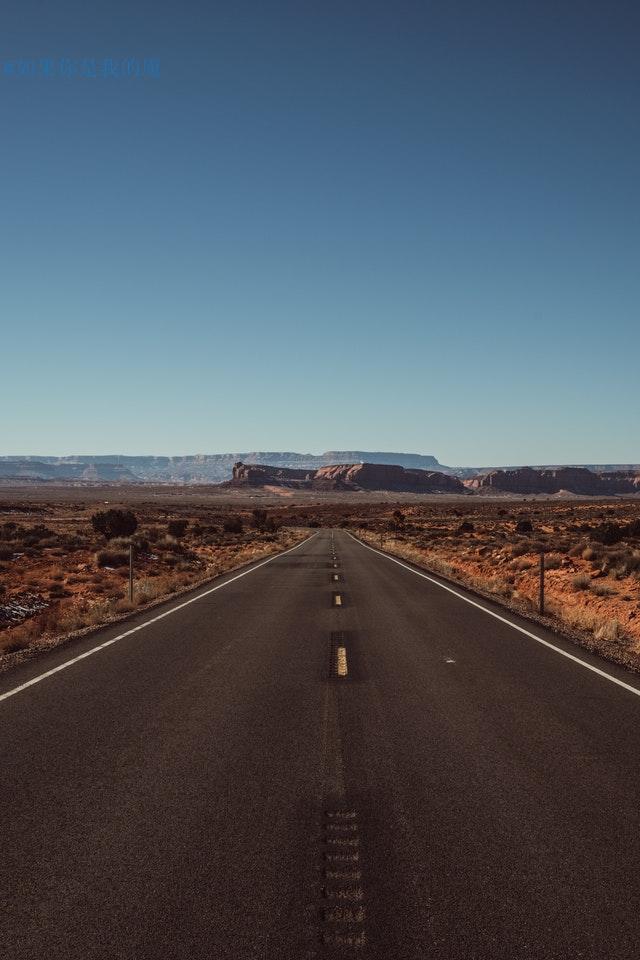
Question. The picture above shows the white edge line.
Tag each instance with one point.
(496, 616)
(147, 623)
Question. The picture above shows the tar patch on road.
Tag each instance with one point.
(343, 911)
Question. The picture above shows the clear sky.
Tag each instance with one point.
(325, 225)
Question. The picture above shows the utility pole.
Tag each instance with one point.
(541, 604)
(130, 573)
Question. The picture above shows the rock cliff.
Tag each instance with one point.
(378, 476)
(528, 481)
(346, 476)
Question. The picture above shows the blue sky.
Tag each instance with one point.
(394, 226)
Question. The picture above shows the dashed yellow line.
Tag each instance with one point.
(337, 600)
(341, 661)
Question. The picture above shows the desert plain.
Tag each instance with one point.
(60, 577)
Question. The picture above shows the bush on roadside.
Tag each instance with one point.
(232, 525)
(581, 581)
(177, 528)
(114, 523)
(112, 558)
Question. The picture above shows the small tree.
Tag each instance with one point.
(114, 523)
(232, 525)
(259, 519)
(397, 521)
(177, 528)
(524, 526)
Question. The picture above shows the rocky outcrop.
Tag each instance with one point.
(259, 475)
(528, 481)
(346, 476)
(377, 476)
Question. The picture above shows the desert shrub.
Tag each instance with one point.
(465, 527)
(610, 630)
(36, 534)
(608, 533)
(314, 524)
(112, 558)
(232, 525)
(522, 563)
(604, 590)
(56, 591)
(73, 542)
(16, 640)
(114, 523)
(589, 554)
(633, 528)
(169, 544)
(124, 605)
(120, 543)
(153, 534)
(576, 616)
(6, 552)
(524, 526)
(177, 528)
(519, 549)
(581, 581)
(259, 519)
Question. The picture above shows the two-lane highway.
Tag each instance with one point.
(299, 766)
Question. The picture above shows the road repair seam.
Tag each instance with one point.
(496, 616)
(147, 623)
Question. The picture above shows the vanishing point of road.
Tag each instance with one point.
(327, 754)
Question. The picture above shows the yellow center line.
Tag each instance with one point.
(341, 661)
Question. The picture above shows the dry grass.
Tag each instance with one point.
(592, 588)
(82, 581)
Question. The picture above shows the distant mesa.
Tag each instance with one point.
(346, 476)
(576, 480)
(36, 470)
(196, 468)
(334, 470)
(260, 474)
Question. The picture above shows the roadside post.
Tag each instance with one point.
(541, 604)
(130, 573)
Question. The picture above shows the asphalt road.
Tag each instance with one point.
(209, 786)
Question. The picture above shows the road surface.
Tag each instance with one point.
(294, 766)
